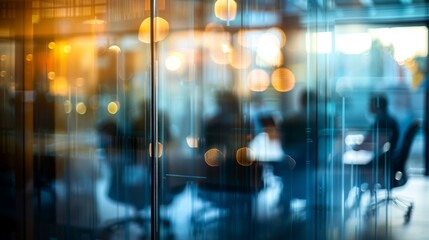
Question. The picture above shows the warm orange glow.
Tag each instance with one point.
(218, 54)
(29, 57)
(225, 9)
(3, 73)
(218, 42)
(214, 158)
(3, 58)
(245, 156)
(67, 49)
(214, 33)
(58, 86)
(159, 150)
(160, 5)
(240, 58)
(79, 82)
(258, 80)
(283, 80)
(94, 21)
(161, 29)
(51, 75)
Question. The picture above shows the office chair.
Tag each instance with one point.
(129, 184)
(398, 176)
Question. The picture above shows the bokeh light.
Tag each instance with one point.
(225, 10)
(248, 38)
(67, 106)
(269, 49)
(29, 57)
(258, 80)
(115, 48)
(161, 30)
(3, 73)
(218, 53)
(192, 142)
(283, 80)
(51, 45)
(245, 156)
(214, 157)
(67, 49)
(58, 86)
(3, 58)
(174, 61)
(240, 58)
(81, 108)
(113, 108)
(51, 75)
(159, 149)
(279, 34)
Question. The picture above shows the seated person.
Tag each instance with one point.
(381, 138)
(266, 145)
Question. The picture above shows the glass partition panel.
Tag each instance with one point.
(222, 119)
(379, 95)
(233, 119)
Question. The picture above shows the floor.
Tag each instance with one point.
(388, 222)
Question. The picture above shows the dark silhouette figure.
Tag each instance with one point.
(229, 134)
(298, 136)
(381, 138)
(383, 130)
(129, 180)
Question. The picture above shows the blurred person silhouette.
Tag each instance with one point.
(228, 133)
(266, 145)
(381, 138)
(129, 180)
(384, 128)
(232, 177)
(297, 134)
(258, 109)
(141, 133)
(8, 187)
(141, 126)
